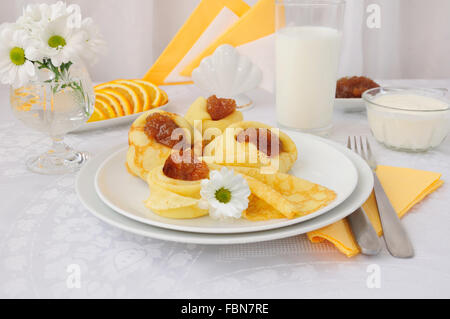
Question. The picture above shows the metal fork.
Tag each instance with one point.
(365, 234)
(395, 235)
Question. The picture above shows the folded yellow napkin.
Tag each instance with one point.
(204, 25)
(211, 24)
(405, 187)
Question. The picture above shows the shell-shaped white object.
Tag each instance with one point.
(226, 73)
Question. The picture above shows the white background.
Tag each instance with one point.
(413, 41)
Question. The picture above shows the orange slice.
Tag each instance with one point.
(106, 108)
(123, 101)
(165, 98)
(141, 92)
(125, 90)
(97, 115)
(111, 100)
(153, 92)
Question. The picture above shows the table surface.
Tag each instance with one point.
(46, 235)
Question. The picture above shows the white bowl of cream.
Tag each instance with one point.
(408, 119)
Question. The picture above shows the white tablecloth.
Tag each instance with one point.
(45, 232)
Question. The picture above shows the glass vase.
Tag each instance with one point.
(55, 105)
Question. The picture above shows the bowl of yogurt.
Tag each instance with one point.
(408, 119)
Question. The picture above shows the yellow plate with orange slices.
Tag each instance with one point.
(122, 101)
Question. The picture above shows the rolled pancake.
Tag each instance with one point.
(145, 153)
(226, 150)
(281, 195)
(199, 118)
(273, 196)
(173, 198)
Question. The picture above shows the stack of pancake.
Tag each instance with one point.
(157, 135)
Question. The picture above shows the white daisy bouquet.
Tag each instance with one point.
(47, 37)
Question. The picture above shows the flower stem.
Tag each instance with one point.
(62, 80)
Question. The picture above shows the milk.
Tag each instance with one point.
(307, 59)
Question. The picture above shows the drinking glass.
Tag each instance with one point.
(308, 45)
(56, 107)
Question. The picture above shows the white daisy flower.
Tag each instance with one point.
(224, 194)
(35, 14)
(49, 36)
(15, 68)
(92, 45)
(59, 42)
(35, 17)
(73, 12)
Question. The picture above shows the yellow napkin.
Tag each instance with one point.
(209, 19)
(213, 23)
(256, 23)
(405, 187)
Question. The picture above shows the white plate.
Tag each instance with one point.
(319, 163)
(121, 120)
(350, 105)
(87, 194)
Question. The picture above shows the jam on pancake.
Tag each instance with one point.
(160, 127)
(183, 165)
(220, 108)
(264, 139)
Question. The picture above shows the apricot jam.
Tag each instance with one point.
(160, 127)
(185, 166)
(264, 139)
(354, 87)
(220, 108)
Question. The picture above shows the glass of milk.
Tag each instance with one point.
(308, 45)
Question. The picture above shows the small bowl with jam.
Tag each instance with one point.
(349, 91)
